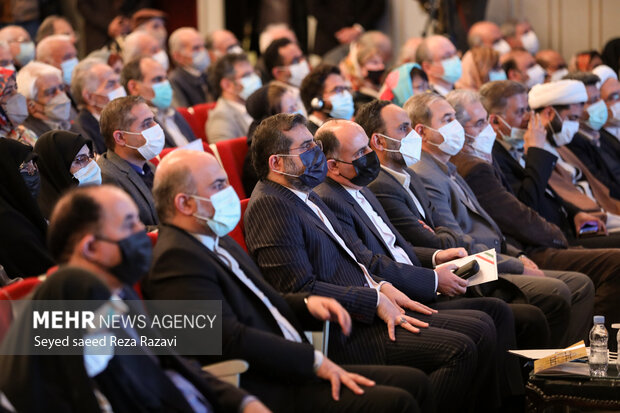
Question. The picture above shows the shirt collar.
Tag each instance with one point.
(402, 177)
(614, 130)
(447, 168)
(302, 195)
(207, 240)
(353, 192)
(140, 171)
(441, 90)
(191, 71)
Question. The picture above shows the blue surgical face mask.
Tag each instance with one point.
(452, 69)
(315, 165)
(89, 174)
(227, 211)
(497, 75)
(201, 60)
(163, 94)
(597, 115)
(342, 105)
(26, 53)
(250, 85)
(67, 69)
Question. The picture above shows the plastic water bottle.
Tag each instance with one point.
(598, 348)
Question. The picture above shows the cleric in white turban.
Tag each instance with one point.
(562, 92)
(604, 72)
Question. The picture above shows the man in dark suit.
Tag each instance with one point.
(351, 165)
(93, 85)
(299, 246)
(610, 144)
(144, 76)
(86, 229)
(133, 138)
(188, 78)
(195, 259)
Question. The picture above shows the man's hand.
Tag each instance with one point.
(324, 308)
(394, 316)
(335, 374)
(533, 272)
(449, 255)
(255, 407)
(402, 301)
(348, 34)
(448, 283)
(583, 217)
(527, 263)
(536, 135)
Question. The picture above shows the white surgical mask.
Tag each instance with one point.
(58, 108)
(484, 141)
(162, 58)
(615, 111)
(227, 211)
(410, 147)
(502, 47)
(119, 92)
(155, 141)
(97, 358)
(558, 74)
(568, 131)
(200, 60)
(89, 174)
(16, 109)
(250, 85)
(530, 42)
(453, 137)
(515, 139)
(67, 69)
(298, 71)
(536, 76)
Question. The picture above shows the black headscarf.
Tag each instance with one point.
(57, 150)
(611, 54)
(50, 383)
(23, 251)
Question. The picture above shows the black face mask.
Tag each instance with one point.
(33, 182)
(375, 76)
(137, 253)
(366, 168)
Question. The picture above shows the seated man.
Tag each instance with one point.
(93, 86)
(553, 63)
(59, 51)
(55, 24)
(521, 67)
(232, 80)
(151, 21)
(220, 43)
(22, 46)
(49, 106)
(610, 133)
(133, 138)
(487, 33)
(440, 61)
(302, 248)
(459, 210)
(285, 62)
(145, 77)
(188, 78)
(520, 35)
(98, 229)
(196, 260)
(326, 95)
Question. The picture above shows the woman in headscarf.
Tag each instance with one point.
(480, 65)
(65, 160)
(23, 251)
(403, 82)
(13, 110)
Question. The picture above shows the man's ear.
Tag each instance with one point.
(426, 66)
(422, 131)
(274, 162)
(133, 87)
(279, 73)
(184, 204)
(332, 166)
(377, 142)
(87, 246)
(119, 138)
(226, 84)
(32, 106)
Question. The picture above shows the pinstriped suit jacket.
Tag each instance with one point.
(296, 252)
(417, 282)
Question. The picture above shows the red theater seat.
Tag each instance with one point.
(232, 156)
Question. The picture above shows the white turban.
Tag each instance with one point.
(562, 92)
(604, 72)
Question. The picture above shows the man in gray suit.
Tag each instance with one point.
(232, 80)
(458, 209)
(132, 137)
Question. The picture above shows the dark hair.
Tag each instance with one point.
(272, 57)
(76, 214)
(313, 85)
(47, 27)
(369, 117)
(223, 67)
(269, 139)
(510, 64)
(587, 78)
(116, 115)
(416, 71)
(494, 95)
(131, 71)
(331, 144)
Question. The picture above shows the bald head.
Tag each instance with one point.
(20, 43)
(55, 49)
(484, 33)
(140, 43)
(219, 42)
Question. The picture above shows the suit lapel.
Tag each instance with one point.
(133, 177)
(420, 192)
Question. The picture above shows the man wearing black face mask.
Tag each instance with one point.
(300, 246)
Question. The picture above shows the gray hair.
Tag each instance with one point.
(174, 41)
(45, 46)
(84, 78)
(132, 47)
(459, 99)
(417, 107)
(28, 75)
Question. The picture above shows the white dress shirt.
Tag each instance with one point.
(166, 119)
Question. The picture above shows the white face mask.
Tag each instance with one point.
(89, 174)
(569, 129)
(559, 74)
(97, 358)
(161, 57)
(250, 85)
(16, 109)
(453, 137)
(59, 108)
(615, 111)
(530, 42)
(119, 92)
(200, 60)
(536, 75)
(155, 140)
(502, 47)
(410, 147)
(516, 135)
(298, 71)
(484, 141)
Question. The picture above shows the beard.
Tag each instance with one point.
(293, 181)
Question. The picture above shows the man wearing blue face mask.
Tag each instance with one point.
(133, 138)
(440, 61)
(146, 77)
(586, 143)
(20, 43)
(326, 95)
(233, 80)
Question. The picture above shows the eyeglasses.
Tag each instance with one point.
(308, 145)
(83, 160)
(339, 89)
(53, 90)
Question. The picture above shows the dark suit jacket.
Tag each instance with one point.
(183, 126)
(610, 151)
(36, 125)
(417, 282)
(184, 269)
(296, 252)
(116, 171)
(520, 224)
(404, 214)
(189, 90)
(89, 127)
(590, 155)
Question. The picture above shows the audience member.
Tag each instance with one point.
(153, 22)
(610, 133)
(13, 110)
(133, 138)
(188, 78)
(220, 43)
(520, 35)
(553, 63)
(486, 33)
(22, 47)
(520, 66)
(284, 61)
(55, 24)
(585, 61)
(141, 43)
(403, 82)
(480, 65)
(441, 63)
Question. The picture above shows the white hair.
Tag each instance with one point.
(266, 37)
(83, 78)
(132, 47)
(175, 42)
(458, 99)
(45, 46)
(28, 75)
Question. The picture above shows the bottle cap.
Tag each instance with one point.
(599, 319)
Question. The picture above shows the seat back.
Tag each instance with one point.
(15, 291)
(232, 157)
(166, 151)
(238, 234)
(197, 116)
